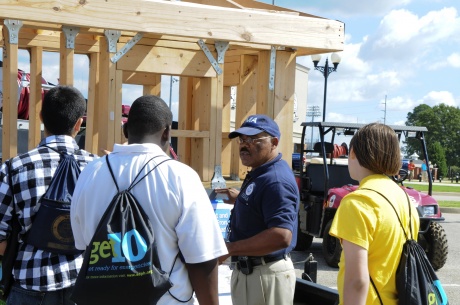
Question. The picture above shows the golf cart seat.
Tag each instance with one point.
(329, 147)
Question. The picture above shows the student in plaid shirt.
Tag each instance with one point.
(42, 277)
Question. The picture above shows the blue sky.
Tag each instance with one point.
(404, 52)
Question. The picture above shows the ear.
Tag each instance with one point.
(275, 142)
(352, 155)
(77, 126)
(41, 116)
(166, 135)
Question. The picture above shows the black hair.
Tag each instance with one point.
(148, 115)
(62, 107)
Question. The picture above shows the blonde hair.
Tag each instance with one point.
(376, 147)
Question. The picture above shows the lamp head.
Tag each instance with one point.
(315, 59)
(335, 58)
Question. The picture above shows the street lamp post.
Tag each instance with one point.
(326, 70)
(312, 111)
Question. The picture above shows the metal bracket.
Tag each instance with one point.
(112, 39)
(217, 180)
(271, 81)
(71, 33)
(208, 54)
(13, 27)
(221, 48)
(131, 43)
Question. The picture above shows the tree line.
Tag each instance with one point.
(442, 138)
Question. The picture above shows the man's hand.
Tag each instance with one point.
(231, 193)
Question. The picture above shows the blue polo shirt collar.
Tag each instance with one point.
(263, 168)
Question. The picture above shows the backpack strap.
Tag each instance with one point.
(136, 180)
(402, 227)
(397, 215)
(376, 291)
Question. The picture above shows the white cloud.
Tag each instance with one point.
(434, 98)
(338, 117)
(454, 60)
(349, 8)
(403, 36)
(400, 104)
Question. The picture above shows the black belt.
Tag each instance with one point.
(259, 260)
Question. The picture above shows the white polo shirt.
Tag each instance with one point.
(173, 198)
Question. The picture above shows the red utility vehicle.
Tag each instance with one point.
(325, 180)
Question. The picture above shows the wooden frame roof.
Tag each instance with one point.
(243, 22)
(165, 37)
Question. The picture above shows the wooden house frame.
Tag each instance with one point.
(210, 44)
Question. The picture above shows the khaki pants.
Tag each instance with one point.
(269, 284)
(424, 176)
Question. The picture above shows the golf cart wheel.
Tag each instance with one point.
(332, 249)
(438, 249)
(304, 241)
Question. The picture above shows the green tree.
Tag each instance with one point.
(443, 124)
(437, 156)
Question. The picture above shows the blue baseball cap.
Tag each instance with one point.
(256, 124)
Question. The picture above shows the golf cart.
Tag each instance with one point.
(325, 180)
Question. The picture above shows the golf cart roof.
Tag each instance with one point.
(396, 128)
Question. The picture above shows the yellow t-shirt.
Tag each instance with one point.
(366, 219)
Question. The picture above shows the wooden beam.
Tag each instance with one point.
(179, 18)
(283, 107)
(10, 98)
(139, 78)
(154, 88)
(92, 108)
(50, 41)
(190, 133)
(232, 74)
(222, 3)
(35, 98)
(215, 119)
(201, 114)
(118, 131)
(107, 98)
(246, 101)
(185, 118)
(166, 61)
(265, 96)
(226, 142)
(66, 63)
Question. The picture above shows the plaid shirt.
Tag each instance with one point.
(31, 175)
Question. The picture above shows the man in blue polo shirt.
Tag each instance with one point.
(263, 225)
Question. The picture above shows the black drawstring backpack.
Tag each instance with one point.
(51, 230)
(416, 280)
(121, 264)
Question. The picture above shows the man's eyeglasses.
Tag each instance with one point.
(251, 140)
